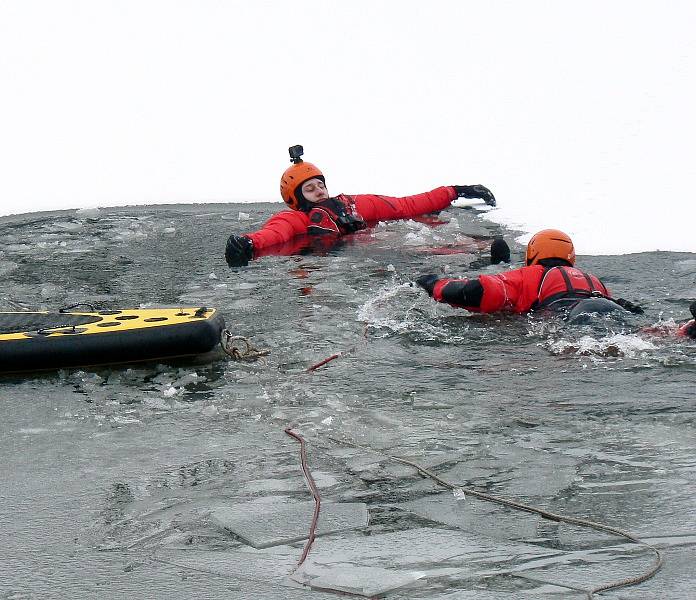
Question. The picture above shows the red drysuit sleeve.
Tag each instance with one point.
(386, 208)
(512, 291)
(279, 229)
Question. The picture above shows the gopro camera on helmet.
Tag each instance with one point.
(295, 153)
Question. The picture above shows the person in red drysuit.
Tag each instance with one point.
(314, 212)
(550, 280)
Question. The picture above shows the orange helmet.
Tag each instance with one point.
(293, 178)
(550, 243)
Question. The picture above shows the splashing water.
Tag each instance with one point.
(616, 345)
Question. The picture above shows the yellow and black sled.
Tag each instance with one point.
(34, 341)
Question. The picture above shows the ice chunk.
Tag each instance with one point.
(492, 520)
(363, 581)
(266, 524)
(88, 213)
(67, 225)
(324, 480)
(156, 403)
(210, 411)
(404, 555)
(250, 564)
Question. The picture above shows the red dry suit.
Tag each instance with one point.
(345, 214)
(524, 289)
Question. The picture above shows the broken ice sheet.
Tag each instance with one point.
(476, 516)
(263, 565)
(375, 564)
(362, 581)
(265, 524)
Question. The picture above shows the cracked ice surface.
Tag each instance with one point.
(264, 524)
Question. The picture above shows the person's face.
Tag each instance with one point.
(314, 190)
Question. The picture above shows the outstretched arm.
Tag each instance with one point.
(486, 294)
(374, 208)
(279, 229)
(464, 293)
(386, 208)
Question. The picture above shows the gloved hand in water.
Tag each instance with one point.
(238, 251)
(427, 282)
(475, 191)
(500, 251)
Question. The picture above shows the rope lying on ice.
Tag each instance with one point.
(315, 493)
(543, 513)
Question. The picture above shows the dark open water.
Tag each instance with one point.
(112, 478)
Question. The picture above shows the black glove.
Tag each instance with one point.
(500, 251)
(692, 309)
(239, 251)
(475, 191)
(629, 306)
(427, 282)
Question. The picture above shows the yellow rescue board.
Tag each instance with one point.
(31, 341)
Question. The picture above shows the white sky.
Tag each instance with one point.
(578, 115)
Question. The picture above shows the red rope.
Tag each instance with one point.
(313, 489)
(323, 362)
(335, 356)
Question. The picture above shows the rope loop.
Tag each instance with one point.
(249, 354)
